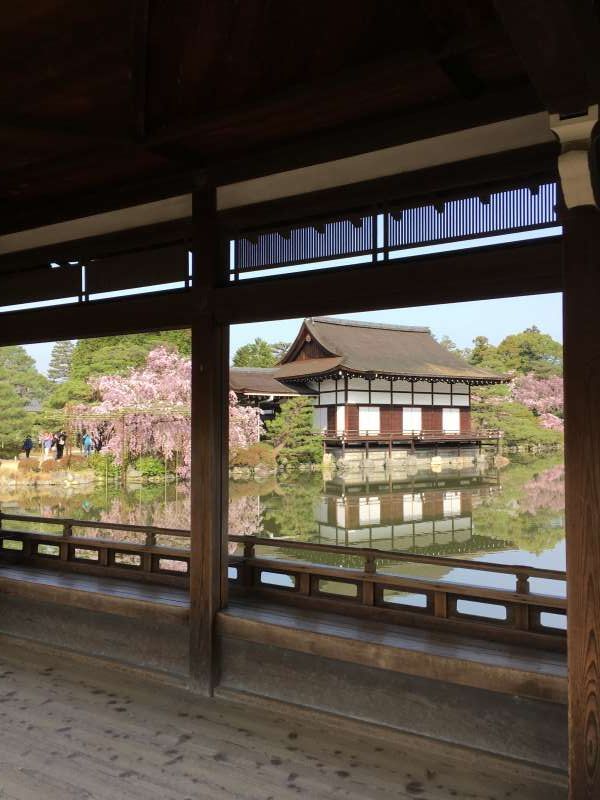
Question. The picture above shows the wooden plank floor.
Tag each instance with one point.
(71, 730)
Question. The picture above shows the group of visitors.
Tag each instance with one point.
(56, 442)
(48, 442)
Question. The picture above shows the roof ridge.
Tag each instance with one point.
(355, 323)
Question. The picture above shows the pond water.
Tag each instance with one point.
(511, 516)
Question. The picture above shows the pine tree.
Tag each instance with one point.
(292, 435)
(60, 361)
(255, 354)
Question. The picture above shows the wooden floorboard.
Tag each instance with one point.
(455, 658)
(73, 730)
(135, 590)
(150, 602)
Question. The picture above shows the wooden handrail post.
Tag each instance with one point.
(248, 569)
(148, 557)
(67, 533)
(522, 610)
(368, 587)
(440, 604)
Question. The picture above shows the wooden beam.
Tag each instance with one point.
(138, 314)
(557, 41)
(484, 273)
(444, 181)
(108, 244)
(171, 183)
(582, 460)
(246, 163)
(387, 131)
(453, 277)
(210, 388)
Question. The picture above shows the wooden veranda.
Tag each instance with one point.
(170, 165)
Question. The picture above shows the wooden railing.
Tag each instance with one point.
(150, 559)
(386, 437)
(361, 587)
(517, 614)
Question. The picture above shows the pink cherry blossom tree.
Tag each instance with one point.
(147, 412)
(544, 396)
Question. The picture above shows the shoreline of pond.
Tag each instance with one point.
(37, 471)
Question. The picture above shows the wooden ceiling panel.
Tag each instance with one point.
(374, 92)
(232, 53)
(67, 61)
(97, 94)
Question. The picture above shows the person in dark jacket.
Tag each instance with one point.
(60, 439)
(28, 446)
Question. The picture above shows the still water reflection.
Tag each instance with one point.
(513, 516)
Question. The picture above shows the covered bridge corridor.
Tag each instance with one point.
(203, 165)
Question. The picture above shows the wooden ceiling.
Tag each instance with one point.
(106, 102)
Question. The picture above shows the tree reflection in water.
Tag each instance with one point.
(463, 514)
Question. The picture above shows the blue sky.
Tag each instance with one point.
(460, 321)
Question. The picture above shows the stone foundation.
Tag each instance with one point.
(401, 461)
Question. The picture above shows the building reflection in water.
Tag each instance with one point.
(427, 513)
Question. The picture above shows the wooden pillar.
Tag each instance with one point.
(582, 458)
(210, 379)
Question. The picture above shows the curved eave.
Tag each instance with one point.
(470, 380)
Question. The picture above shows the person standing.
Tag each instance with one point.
(60, 440)
(88, 444)
(28, 446)
(47, 443)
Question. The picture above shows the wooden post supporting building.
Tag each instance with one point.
(582, 458)
(210, 358)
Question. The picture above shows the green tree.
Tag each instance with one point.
(60, 361)
(116, 355)
(450, 345)
(532, 351)
(492, 409)
(485, 355)
(21, 387)
(13, 417)
(18, 369)
(52, 415)
(291, 433)
(259, 353)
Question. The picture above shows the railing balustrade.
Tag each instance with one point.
(151, 559)
(349, 436)
(518, 614)
(364, 586)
